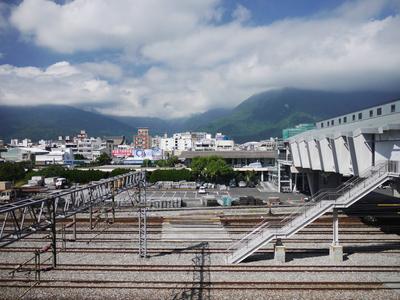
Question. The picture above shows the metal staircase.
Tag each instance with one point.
(341, 197)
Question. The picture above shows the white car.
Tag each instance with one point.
(202, 190)
(242, 184)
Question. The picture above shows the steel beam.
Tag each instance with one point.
(335, 221)
(23, 218)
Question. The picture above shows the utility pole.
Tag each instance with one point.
(142, 211)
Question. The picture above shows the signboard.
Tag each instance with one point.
(150, 154)
(122, 152)
(139, 154)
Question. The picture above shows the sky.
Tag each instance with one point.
(175, 58)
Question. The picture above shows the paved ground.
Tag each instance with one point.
(194, 197)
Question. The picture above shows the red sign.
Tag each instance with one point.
(122, 152)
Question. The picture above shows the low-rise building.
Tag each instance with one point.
(58, 156)
(19, 154)
(86, 147)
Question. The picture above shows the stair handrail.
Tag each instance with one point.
(368, 176)
(255, 229)
(328, 193)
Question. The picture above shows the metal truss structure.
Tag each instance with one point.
(142, 206)
(23, 218)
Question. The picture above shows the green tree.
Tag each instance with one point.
(79, 157)
(169, 162)
(170, 175)
(53, 171)
(119, 171)
(172, 161)
(147, 163)
(11, 171)
(212, 168)
(103, 159)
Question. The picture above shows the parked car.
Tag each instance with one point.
(61, 183)
(242, 184)
(202, 190)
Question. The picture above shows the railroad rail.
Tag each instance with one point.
(223, 285)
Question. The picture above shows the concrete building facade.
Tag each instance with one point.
(347, 145)
(142, 140)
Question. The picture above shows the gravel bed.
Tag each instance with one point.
(87, 293)
(384, 255)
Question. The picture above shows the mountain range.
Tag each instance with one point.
(258, 117)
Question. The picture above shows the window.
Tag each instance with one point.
(371, 113)
(327, 123)
(354, 117)
(340, 120)
(379, 111)
(393, 108)
(322, 125)
(332, 122)
(344, 119)
(360, 116)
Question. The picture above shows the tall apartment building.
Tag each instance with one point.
(142, 139)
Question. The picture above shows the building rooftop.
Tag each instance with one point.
(229, 154)
(371, 125)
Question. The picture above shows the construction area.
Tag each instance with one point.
(117, 239)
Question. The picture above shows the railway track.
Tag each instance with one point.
(213, 268)
(159, 251)
(214, 285)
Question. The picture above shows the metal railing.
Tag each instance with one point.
(322, 201)
(249, 236)
(22, 218)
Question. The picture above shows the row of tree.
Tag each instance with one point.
(76, 175)
(209, 169)
(11, 171)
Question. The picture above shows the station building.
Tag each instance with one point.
(344, 146)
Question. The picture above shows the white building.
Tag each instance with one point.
(224, 145)
(347, 145)
(167, 144)
(23, 143)
(86, 146)
(57, 156)
(156, 142)
(195, 141)
(183, 141)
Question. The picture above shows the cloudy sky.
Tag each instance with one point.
(172, 58)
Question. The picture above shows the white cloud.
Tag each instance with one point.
(195, 62)
(88, 25)
(241, 13)
(60, 83)
(103, 70)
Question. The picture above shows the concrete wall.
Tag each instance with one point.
(327, 155)
(305, 158)
(315, 156)
(363, 148)
(295, 154)
(343, 156)
(387, 146)
(353, 156)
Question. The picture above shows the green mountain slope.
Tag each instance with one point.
(259, 117)
(50, 121)
(266, 114)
